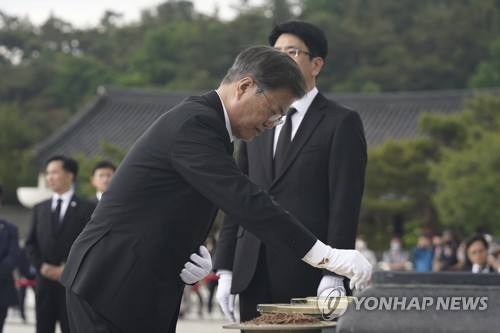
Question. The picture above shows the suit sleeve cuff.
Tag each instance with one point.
(316, 254)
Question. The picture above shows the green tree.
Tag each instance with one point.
(281, 10)
(16, 35)
(397, 189)
(15, 158)
(468, 194)
(403, 45)
(446, 131)
(163, 52)
(77, 79)
(467, 177)
(488, 72)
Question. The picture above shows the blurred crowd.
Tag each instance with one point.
(477, 253)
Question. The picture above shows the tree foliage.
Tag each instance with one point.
(467, 176)
(15, 156)
(487, 74)
(449, 178)
(397, 189)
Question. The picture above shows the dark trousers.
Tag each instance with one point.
(3, 315)
(50, 306)
(84, 319)
(259, 291)
(22, 296)
(211, 285)
(173, 324)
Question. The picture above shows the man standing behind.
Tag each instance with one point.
(319, 179)
(55, 225)
(102, 173)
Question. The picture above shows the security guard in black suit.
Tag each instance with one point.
(55, 225)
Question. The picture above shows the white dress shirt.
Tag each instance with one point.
(226, 118)
(302, 105)
(66, 199)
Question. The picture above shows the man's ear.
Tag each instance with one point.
(244, 85)
(318, 65)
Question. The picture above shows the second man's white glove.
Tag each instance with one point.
(331, 282)
(349, 263)
(224, 296)
(192, 273)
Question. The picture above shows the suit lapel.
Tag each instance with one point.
(213, 101)
(306, 129)
(47, 211)
(68, 215)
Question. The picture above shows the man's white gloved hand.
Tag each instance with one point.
(224, 296)
(332, 282)
(349, 263)
(192, 273)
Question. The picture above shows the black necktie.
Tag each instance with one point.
(283, 142)
(57, 213)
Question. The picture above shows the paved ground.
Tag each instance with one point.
(184, 326)
(191, 323)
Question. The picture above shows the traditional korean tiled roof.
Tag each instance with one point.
(396, 115)
(118, 116)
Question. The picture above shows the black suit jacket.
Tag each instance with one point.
(321, 184)
(9, 255)
(158, 209)
(94, 200)
(47, 244)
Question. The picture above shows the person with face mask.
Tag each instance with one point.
(362, 246)
(396, 258)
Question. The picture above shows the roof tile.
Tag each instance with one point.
(120, 115)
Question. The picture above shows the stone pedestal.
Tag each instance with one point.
(425, 302)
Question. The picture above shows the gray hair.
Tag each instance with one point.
(270, 68)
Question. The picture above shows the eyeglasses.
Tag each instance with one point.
(294, 53)
(276, 118)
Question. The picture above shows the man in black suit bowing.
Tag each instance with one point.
(55, 225)
(319, 178)
(127, 269)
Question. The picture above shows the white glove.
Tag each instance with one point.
(192, 273)
(349, 263)
(224, 296)
(331, 282)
